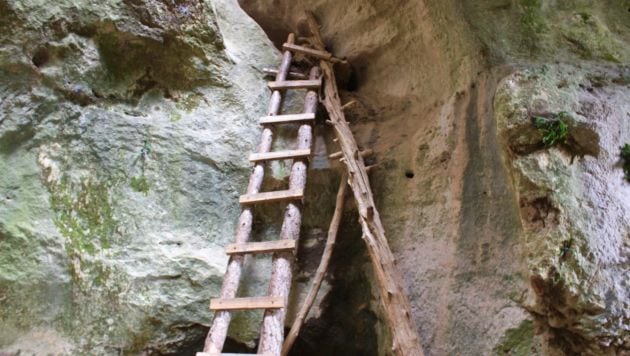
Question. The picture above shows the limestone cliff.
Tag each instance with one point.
(125, 127)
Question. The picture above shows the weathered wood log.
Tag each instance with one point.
(396, 307)
(321, 269)
(272, 331)
(221, 321)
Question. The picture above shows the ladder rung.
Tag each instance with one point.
(292, 75)
(260, 247)
(224, 354)
(295, 84)
(270, 156)
(287, 119)
(307, 51)
(271, 197)
(247, 303)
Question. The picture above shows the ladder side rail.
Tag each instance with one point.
(231, 280)
(272, 330)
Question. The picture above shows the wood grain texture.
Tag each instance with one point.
(295, 84)
(250, 303)
(272, 197)
(277, 155)
(261, 247)
(287, 119)
(291, 75)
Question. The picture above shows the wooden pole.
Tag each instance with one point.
(218, 331)
(394, 299)
(321, 270)
(272, 331)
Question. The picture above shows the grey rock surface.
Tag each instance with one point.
(125, 127)
(124, 132)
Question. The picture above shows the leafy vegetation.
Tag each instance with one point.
(625, 157)
(140, 184)
(555, 130)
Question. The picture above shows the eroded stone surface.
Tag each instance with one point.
(126, 124)
(575, 210)
(425, 76)
(123, 139)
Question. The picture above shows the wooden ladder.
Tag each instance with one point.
(275, 303)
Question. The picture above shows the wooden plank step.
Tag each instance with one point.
(224, 354)
(307, 51)
(260, 247)
(250, 303)
(295, 84)
(271, 197)
(287, 119)
(292, 75)
(276, 155)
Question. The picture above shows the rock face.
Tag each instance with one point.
(574, 205)
(477, 210)
(125, 127)
(123, 139)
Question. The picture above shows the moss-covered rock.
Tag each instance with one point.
(113, 215)
(517, 341)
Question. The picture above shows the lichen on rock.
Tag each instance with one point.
(114, 215)
(125, 127)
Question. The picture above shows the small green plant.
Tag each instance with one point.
(140, 184)
(555, 130)
(625, 157)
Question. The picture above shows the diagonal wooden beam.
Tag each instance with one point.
(394, 300)
(321, 269)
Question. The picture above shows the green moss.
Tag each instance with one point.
(140, 184)
(591, 38)
(533, 25)
(532, 19)
(83, 215)
(517, 341)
